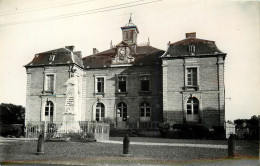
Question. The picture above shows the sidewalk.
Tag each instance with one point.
(170, 144)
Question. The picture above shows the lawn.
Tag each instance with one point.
(64, 152)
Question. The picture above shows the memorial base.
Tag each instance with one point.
(69, 125)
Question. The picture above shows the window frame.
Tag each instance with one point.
(49, 109)
(101, 111)
(45, 89)
(141, 81)
(145, 107)
(192, 109)
(122, 110)
(118, 83)
(192, 86)
(96, 85)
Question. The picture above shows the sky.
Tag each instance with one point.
(28, 27)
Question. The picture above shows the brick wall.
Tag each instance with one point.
(133, 98)
(210, 93)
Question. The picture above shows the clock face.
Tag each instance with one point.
(122, 53)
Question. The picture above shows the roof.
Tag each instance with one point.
(145, 56)
(202, 48)
(61, 56)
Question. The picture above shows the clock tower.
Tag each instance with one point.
(129, 33)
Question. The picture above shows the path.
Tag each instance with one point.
(170, 144)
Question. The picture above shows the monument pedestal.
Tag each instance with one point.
(69, 125)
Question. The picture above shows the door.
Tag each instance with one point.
(122, 115)
(192, 114)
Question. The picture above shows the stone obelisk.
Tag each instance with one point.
(70, 122)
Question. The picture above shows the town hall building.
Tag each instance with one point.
(129, 85)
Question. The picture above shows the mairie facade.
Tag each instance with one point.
(130, 85)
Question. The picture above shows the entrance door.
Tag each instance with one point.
(49, 111)
(121, 115)
(192, 114)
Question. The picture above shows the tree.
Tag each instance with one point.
(11, 114)
(253, 121)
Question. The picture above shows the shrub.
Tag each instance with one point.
(12, 129)
(174, 130)
(219, 132)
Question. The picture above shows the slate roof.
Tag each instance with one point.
(62, 56)
(145, 56)
(202, 48)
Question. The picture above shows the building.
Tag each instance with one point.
(193, 82)
(130, 85)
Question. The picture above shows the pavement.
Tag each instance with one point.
(170, 144)
(134, 159)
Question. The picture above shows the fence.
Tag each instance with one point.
(100, 131)
(143, 125)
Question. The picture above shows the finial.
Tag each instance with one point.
(130, 19)
(111, 45)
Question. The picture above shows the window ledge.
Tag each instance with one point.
(121, 93)
(191, 88)
(99, 94)
(47, 92)
(144, 93)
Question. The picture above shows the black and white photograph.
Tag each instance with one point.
(130, 82)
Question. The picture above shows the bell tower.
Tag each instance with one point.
(129, 32)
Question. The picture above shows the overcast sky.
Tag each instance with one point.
(28, 27)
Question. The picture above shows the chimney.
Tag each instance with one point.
(191, 34)
(95, 51)
(71, 48)
(78, 53)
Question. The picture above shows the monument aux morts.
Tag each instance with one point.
(129, 85)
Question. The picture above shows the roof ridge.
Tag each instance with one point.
(198, 40)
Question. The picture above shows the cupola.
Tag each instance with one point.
(129, 32)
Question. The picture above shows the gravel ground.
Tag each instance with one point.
(73, 152)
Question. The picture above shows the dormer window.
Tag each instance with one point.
(191, 48)
(51, 57)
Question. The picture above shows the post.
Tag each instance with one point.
(126, 145)
(40, 146)
(231, 146)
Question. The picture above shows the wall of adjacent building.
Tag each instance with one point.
(210, 92)
(36, 98)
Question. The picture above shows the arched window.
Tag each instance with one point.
(49, 111)
(100, 111)
(145, 110)
(192, 109)
(122, 108)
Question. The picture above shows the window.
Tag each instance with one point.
(192, 109)
(100, 85)
(128, 35)
(100, 111)
(145, 110)
(145, 84)
(49, 111)
(191, 48)
(122, 108)
(121, 84)
(191, 76)
(51, 57)
(49, 83)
